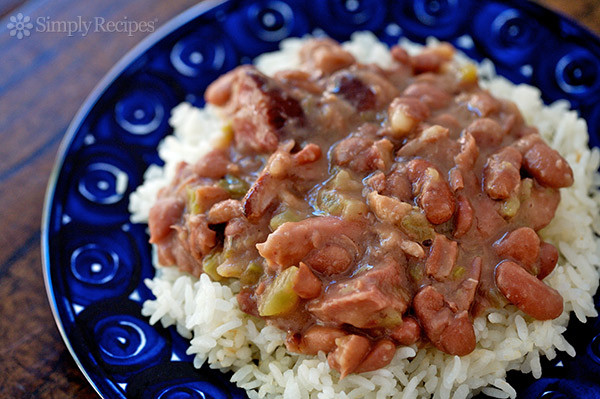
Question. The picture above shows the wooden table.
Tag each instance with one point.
(43, 81)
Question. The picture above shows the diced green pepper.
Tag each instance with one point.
(252, 274)
(416, 272)
(210, 263)
(416, 225)
(458, 272)
(193, 205)
(279, 297)
(235, 186)
(288, 215)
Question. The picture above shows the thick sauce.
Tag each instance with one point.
(365, 208)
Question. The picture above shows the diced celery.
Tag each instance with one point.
(252, 274)
(210, 263)
(279, 297)
(416, 272)
(344, 181)
(193, 205)
(288, 215)
(510, 207)
(235, 186)
(330, 202)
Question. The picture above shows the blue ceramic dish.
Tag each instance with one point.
(95, 259)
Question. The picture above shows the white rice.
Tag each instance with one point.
(228, 339)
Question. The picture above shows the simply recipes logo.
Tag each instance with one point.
(21, 26)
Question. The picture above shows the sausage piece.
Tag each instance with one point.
(380, 356)
(528, 293)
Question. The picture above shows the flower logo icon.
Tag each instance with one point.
(20, 26)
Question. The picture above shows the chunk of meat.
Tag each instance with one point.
(463, 297)
(547, 166)
(224, 211)
(521, 245)
(464, 216)
(528, 293)
(361, 154)
(349, 352)
(442, 257)
(501, 175)
(200, 238)
(407, 333)
(293, 241)
(324, 55)
(371, 299)
(163, 215)
(258, 106)
(486, 132)
(431, 190)
(207, 196)
(388, 209)
(547, 259)
(380, 355)
(310, 153)
(404, 113)
(306, 284)
(450, 332)
(315, 339)
(215, 165)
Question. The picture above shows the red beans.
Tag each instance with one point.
(350, 351)
(464, 217)
(528, 293)
(547, 259)
(450, 332)
(521, 245)
(547, 166)
(315, 339)
(407, 333)
(380, 356)
(432, 191)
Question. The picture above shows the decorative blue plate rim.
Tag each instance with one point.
(133, 54)
(84, 112)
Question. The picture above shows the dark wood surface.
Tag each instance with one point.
(43, 81)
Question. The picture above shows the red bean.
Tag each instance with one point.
(449, 332)
(464, 216)
(306, 284)
(547, 166)
(432, 191)
(380, 356)
(408, 332)
(521, 245)
(316, 338)
(547, 260)
(350, 351)
(442, 257)
(528, 293)
(486, 132)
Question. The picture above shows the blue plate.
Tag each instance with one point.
(95, 259)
